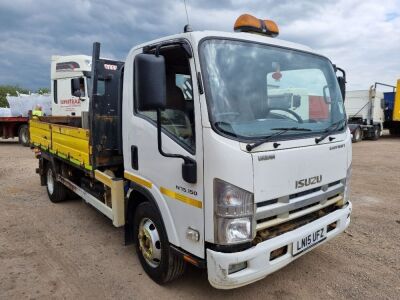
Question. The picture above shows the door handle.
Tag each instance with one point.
(134, 157)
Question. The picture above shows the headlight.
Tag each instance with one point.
(231, 231)
(234, 211)
(347, 185)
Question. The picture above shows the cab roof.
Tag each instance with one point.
(197, 36)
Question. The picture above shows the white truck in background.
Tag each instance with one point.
(228, 151)
(366, 113)
(70, 84)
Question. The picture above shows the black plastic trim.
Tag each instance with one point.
(229, 248)
(200, 263)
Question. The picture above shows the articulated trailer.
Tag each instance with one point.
(203, 147)
(365, 113)
(371, 111)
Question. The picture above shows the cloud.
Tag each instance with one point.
(360, 36)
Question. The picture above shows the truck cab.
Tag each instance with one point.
(70, 84)
(230, 151)
(247, 208)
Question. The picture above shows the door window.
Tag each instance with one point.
(178, 117)
(81, 87)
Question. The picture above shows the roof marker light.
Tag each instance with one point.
(249, 23)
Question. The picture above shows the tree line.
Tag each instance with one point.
(12, 90)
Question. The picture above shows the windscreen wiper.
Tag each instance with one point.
(250, 147)
(333, 127)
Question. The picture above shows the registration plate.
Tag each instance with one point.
(309, 240)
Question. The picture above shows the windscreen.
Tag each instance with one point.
(253, 89)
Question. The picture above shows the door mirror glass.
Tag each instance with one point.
(150, 82)
(342, 86)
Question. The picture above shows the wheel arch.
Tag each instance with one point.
(138, 194)
(49, 159)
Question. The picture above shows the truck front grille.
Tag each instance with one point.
(292, 211)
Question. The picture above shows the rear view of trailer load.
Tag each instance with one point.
(14, 120)
(392, 110)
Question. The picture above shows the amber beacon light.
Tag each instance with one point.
(249, 23)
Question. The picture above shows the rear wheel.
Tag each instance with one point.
(56, 191)
(357, 135)
(152, 246)
(23, 135)
(377, 133)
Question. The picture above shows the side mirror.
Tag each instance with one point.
(150, 82)
(296, 101)
(76, 87)
(342, 81)
(151, 94)
(342, 86)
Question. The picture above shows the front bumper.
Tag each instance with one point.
(258, 257)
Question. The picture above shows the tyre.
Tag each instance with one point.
(56, 191)
(377, 133)
(357, 135)
(23, 135)
(152, 245)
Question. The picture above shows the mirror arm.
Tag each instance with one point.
(186, 159)
(189, 166)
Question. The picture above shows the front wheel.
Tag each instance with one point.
(152, 246)
(56, 191)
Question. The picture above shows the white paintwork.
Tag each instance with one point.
(365, 104)
(226, 159)
(67, 104)
(276, 178)
(164, 171)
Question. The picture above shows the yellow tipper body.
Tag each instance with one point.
(70, 143)
(396, 108)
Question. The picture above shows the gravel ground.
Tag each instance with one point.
(69, 250)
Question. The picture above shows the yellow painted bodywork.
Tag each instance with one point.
(396, 108)
(70, 143)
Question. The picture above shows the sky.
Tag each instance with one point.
(361, 36)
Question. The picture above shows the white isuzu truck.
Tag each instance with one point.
(228, 151)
